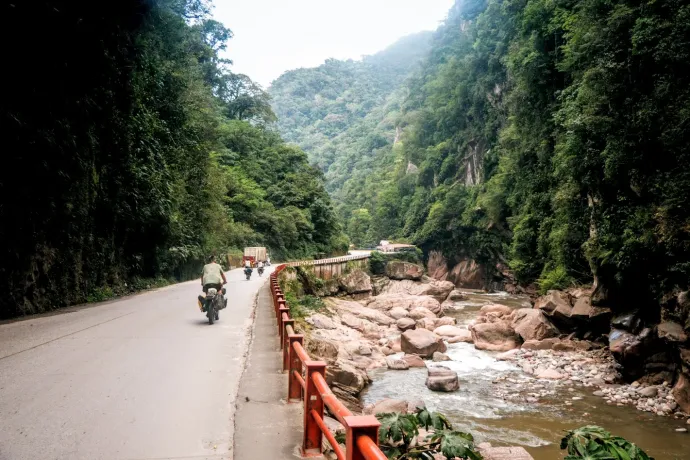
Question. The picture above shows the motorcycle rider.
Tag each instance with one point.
(260, 266)
(212, 276)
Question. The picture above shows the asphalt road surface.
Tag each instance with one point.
(143, 377)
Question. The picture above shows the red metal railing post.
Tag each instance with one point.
(356, 426)
(282, 306)
(286, 344)
(294, 388)
(281, 324)
(311, 442)
(280, 300)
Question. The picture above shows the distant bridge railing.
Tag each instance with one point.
(332, 260)
(307, 383)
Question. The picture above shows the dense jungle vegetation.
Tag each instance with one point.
(552, 135)
(132, 151)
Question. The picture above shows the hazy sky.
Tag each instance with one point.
(272, 36)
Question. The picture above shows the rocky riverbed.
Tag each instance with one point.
(496, 366)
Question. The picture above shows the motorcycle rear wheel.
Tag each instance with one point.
(211, 313)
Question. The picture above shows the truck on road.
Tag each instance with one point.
(254, 255)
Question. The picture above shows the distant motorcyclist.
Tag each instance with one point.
(260, 266)
(248, 268)
(212, 276)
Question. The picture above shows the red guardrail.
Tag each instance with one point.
(307, 383)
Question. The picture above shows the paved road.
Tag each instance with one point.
(145, 377)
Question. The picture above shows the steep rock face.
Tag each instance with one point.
(437, 265)
(467, 274)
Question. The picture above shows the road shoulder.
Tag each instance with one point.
(265, 426)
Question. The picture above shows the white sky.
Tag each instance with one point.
(273, 36)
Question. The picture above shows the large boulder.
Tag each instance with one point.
(414, 360)
(400, 270)
(345, 374)
(672, 332)
(426, 323)
(556, 305)
(421, 342)
(439, 290)
(360, 311)
(421, 312)
(387, 302)
(456, 296)
(322, 348)
(496, 336)
(386, 406)
(632, 350)
(441, 378)
(496, 309)
(396, 364)
(532, 324)
(450, 331)
(681, 392)
(405, 324)
(397, 313)
(355, 282)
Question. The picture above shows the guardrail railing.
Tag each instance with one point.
(307, 384)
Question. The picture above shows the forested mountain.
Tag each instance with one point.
(131, 150)
(549, 135)
(344, 115)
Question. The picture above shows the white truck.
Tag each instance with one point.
(254, 255)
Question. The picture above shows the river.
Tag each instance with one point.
(496, 401)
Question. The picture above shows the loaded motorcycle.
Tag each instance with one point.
(248, 272)
(261, 271)
(213, 303)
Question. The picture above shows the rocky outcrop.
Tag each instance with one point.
(320, 321)
(441, 378)
(355, 282)
(387, 302)
(573, 311)
(532, 324)
(400, 270)
(421, 342)
(439, 290)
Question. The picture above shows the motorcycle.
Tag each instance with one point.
(213, 303)
(261, 271)
(248, 273)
